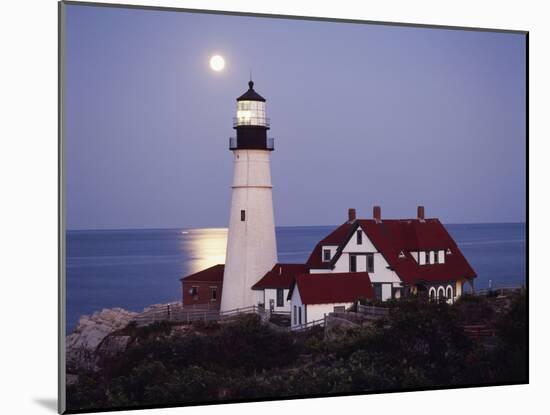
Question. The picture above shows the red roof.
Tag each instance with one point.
(333, 287)
(280, 276)
(393, 236)
(212, 274)
(336, 237)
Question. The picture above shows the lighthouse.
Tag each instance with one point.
(251, 244)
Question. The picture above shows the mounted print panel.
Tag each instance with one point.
(276, 207)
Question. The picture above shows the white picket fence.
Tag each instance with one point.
(302, 327)
(372, 311)
(179, 314)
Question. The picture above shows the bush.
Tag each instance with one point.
(418, 344)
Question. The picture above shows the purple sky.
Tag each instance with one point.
(361, 115)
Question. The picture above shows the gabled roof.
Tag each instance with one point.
(336, 237)
(280, 276)
(332, 287)
(393, 236)
(212, 274)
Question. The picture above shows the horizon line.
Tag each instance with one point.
(279, 226)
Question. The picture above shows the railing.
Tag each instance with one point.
(245, 310)
(179, 314)
(478, 331)
(269, 144)
(373, 311)
(281, 312)
(499, 290)
(301, 327)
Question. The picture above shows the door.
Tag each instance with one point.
(377, 291)
(352, 263)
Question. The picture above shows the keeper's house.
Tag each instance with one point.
(397, 257)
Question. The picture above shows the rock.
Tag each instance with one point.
(90, 332)
(336, 327)
(113, 345)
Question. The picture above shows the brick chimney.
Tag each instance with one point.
(420, 213)
(377, 214)
(351, 215)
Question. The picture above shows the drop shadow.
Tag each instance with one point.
(48, 403)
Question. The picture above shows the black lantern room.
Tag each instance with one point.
(251, 123)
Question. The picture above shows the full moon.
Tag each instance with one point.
(217, 63)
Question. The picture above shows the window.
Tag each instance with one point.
(294, 315)
(326, 255)
(280, 295)
(352, 263)
(370, 262)
(339, 309)
(436, 257)
(449, 292)
(359, 237)
(427, 253)
(432, 294)
(377, 291)
(194, 291)
(299, 315)
(213, 293)
(243, 215)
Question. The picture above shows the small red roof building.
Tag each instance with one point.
(280, 276)
(332, 288)
(203, 289)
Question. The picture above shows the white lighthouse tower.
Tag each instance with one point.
(251, 245)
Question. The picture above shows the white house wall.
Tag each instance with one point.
(310, 312)
(296, 301)
(320, 271)
(271, 294)
(381, 271)
(318, 311)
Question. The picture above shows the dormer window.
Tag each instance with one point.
(401, 255)
(326, 255)
(449, 251)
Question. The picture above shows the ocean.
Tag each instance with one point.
(136, 268)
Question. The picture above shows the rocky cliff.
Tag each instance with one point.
(90, 333)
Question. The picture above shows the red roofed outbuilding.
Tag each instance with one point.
(312, 296)
(203, 289)
(275, 286)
